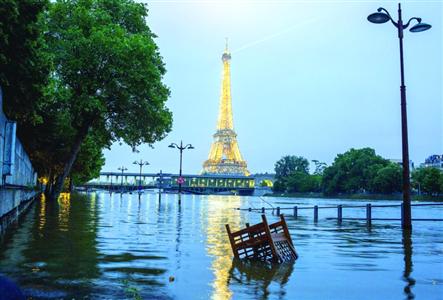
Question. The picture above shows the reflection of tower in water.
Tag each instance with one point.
(231, 274)
(220, 211)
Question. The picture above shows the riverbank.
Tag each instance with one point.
(356, 196)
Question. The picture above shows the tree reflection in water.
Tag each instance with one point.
(407, 247)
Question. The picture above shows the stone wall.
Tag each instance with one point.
(18, 179)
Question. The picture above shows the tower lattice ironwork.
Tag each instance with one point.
(224, 156)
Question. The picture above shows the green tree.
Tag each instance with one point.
(319, 167)
(352, 171)
(24, 64)
(290, 164)
(89, 162)
(279, 186)
(292, 174)
(388, 179)
(302, 182)
(107, 76)
(428, 180)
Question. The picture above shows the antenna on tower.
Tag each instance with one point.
(226, 45)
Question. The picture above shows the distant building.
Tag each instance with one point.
(400, 162)
(435, 161)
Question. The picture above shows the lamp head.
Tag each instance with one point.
(419, 27)
(378, 17)
(171, 146)
(191, 147)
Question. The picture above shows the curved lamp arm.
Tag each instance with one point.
(381, 9)
(413, 18)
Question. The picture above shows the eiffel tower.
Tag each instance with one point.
(224, 156)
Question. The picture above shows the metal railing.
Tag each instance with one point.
(295, 209)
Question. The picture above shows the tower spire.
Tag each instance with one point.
(224, 156)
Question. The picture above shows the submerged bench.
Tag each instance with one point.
(263, 242)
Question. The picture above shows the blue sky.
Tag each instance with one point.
(310, 78)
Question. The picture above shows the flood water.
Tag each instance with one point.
(99, 246)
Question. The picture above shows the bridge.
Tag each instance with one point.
(198, 184)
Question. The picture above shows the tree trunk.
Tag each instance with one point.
(58, 186)
(48, 186)
(71, 184)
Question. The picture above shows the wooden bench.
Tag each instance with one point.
(263, 242)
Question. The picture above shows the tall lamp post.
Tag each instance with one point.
(122, 169)
(141, 163)
(180, 148)
(380, 17)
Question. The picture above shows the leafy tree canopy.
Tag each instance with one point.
(290, 164)
(352, 171)
(388, 179)
(107, 77)
(24, 67)
(428, 180)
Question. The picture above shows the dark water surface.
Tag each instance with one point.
(112, 247)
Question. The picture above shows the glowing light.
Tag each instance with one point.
(64, 201)
(42, 213)
(224, 156)
(218, 246)
(43, 180)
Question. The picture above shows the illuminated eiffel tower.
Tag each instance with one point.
(224, 156)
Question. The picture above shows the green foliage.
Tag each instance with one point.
(428, 180)
(108, 69)
(292, 174)
(131, 290)
(24, 67)
(319, 167)
(93, 78)
(388, 179)
(106, 82)
(89, 162)
(353, 171)
(301, 182)
(290, 164)
(279, 186)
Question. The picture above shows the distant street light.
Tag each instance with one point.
(181, 148)
(380, 17)
(123, 169)
(141, 163)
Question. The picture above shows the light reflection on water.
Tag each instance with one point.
(103, 245)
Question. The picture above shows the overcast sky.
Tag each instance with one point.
(309, 78)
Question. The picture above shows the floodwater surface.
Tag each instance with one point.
(102, 246)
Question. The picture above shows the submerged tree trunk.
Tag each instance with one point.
(71, 184)
(58, 186)
(48, 186)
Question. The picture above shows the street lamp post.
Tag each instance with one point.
(379, 17)
(141, 163)
(122, 169)
(180, 148)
